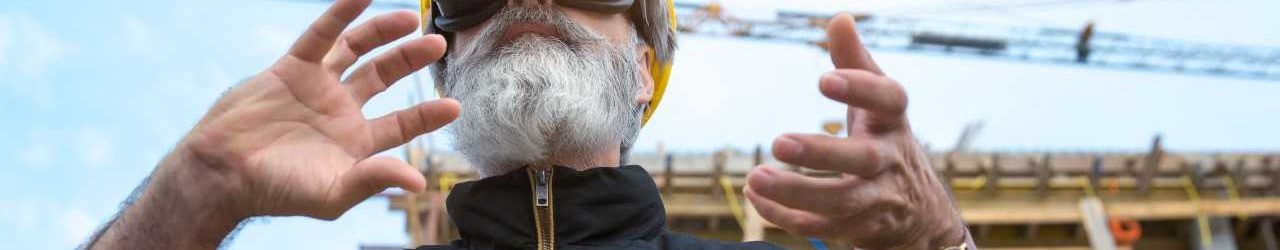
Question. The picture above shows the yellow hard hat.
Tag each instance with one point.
(659, 66)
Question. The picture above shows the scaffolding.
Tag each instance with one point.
(1010, 200)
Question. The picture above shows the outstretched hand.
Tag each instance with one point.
(292, 140)
(887, 195)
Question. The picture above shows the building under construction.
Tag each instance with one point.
(1154, 199)
(1150, 199)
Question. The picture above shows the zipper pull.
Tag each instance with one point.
(540, 188)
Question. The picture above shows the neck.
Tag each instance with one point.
(606, 157)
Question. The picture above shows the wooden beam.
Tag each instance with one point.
(398, 202)
(1094, 220)
(753, 230)
(414, 220)
(1051, 211)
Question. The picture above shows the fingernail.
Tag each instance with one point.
(834, 84)
(766, 172)
(762, 177)
(788, 147)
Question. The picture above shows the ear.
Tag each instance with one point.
(644, 60)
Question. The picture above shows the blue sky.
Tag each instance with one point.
(92, 93)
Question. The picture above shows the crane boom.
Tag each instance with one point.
(1055, 46)
(1022, 44)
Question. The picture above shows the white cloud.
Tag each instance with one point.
(27, 50)
(37, 155)
(22, 213)
(95, 148)
(38, 152)
(42, 48)
(76, 226)
(6, 40)
(138, 36)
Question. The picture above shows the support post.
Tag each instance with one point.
(1096, 172)
(1219, 235)
(1043, 173)
(1267, 232)
(993, 176)
(718, 161)
(668, 174)
(753, 225)
(1150, 166)
(949, 172)
(757, 156)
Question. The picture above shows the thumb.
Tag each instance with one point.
(372, 175)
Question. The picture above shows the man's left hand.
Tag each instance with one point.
(886, 196)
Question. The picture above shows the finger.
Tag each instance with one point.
(792, 220)
(853, 128)
(316, 41)
(364, 38)
(401, 126)
(862, 158)
(836, 198)
(883, 97)
(371, 176)
(375, 76)
(817, 195)
(847, 51)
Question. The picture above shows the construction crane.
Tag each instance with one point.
(1055, 46)
(1022, 44)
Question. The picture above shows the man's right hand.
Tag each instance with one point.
(291, 140)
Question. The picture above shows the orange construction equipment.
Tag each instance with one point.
(1125, 231)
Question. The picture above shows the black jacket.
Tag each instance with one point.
(562, 208)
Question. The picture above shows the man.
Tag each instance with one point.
(1082, 43)
(549, 98)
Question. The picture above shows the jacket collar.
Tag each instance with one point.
(597, 206)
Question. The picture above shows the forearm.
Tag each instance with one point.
(164, 216)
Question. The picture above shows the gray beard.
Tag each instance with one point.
(537, 98)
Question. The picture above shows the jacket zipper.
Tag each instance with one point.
(544, 219)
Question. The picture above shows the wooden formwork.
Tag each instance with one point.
(1013, 200)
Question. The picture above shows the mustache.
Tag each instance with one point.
(566, 31)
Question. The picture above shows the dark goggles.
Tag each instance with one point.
(454, 15)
